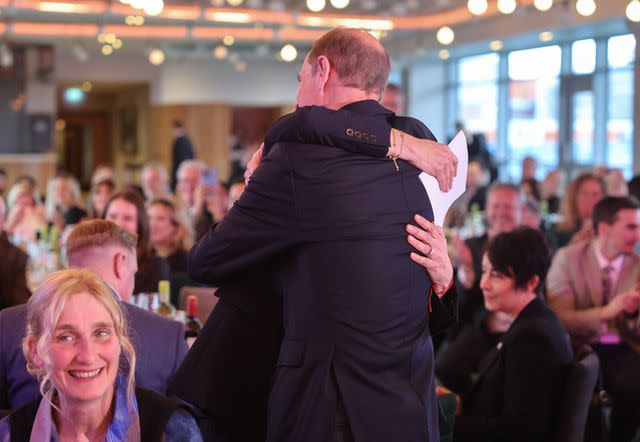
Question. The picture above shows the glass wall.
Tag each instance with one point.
(534, 80)
(572, 113)
(477, 96)
(621, 56)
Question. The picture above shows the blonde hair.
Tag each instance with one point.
(184, 236)
(99, 232)
(20, 188)
(569, 204)
(43, 313)
(50, 202)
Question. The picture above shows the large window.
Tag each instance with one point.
(533, 108)
(621, 56)
(477, 96)
(515, 99)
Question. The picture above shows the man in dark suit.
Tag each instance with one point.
(13, 268)
(356, 360)
(111, 252)
(182, 150)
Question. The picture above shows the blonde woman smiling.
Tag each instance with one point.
(76, 338)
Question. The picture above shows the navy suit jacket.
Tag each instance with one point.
(159, 343)
(356, 321)
(520, 385)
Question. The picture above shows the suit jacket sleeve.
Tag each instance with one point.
(259, 226)
(528, 394)
(444, 311)
(562, 297)
(319, 125)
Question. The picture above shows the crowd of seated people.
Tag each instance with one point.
(592, 234)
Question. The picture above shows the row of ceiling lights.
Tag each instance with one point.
(586, 8)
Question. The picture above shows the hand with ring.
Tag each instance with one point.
(431, 245)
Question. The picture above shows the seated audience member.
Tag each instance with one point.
(550, 190)
(102, 172)
(393, 98)
(127, 210)
(77, 345)
(529, 168)
(189, 188)
(101, 191)
(215, 207)
(594, 288)
(171, 233)
(577, 209)
(235, 192)
(634, 187)
(4, 180)
(530, 187)
(25, 216)
(13, 269)
(108, 250)
(62, 205)
(478, 330)
(155, 180)
(519, 385)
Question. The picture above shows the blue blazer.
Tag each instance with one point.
(159, 342)
(356, 314)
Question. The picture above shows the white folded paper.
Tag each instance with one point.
(441, 201)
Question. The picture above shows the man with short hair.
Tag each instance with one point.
(393, 98)
(13, 268)
(155, 180)
(110, 251)
(594, 288)
(355, 362)
(182, 150)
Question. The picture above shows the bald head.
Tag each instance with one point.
(356, 56)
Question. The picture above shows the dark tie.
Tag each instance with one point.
(607, 285)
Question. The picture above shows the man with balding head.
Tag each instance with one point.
(356, 360)
(110, 251)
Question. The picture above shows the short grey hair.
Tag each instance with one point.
(191, 164)
(155, 165)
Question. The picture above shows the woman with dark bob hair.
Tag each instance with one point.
(127, 210)
(519, 383)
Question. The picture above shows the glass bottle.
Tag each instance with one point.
(192, 324)
(165, 308)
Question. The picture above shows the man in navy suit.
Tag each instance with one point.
(111, 252)
(356, 359)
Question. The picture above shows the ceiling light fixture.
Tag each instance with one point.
(228, 40)
(339, 4)
(543, 5)
(477, 7)
(545, 36)
(316, 5)
(443, 54)
(288, 52)
(156, 57)
(506, 6)
(445, 35)
(633, 11)
(235, 2)
(496, 45)
(220, 52)
(586, 7)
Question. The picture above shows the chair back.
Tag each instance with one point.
(206, 300)
(574, 407)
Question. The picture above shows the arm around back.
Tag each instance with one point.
(260, 225)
